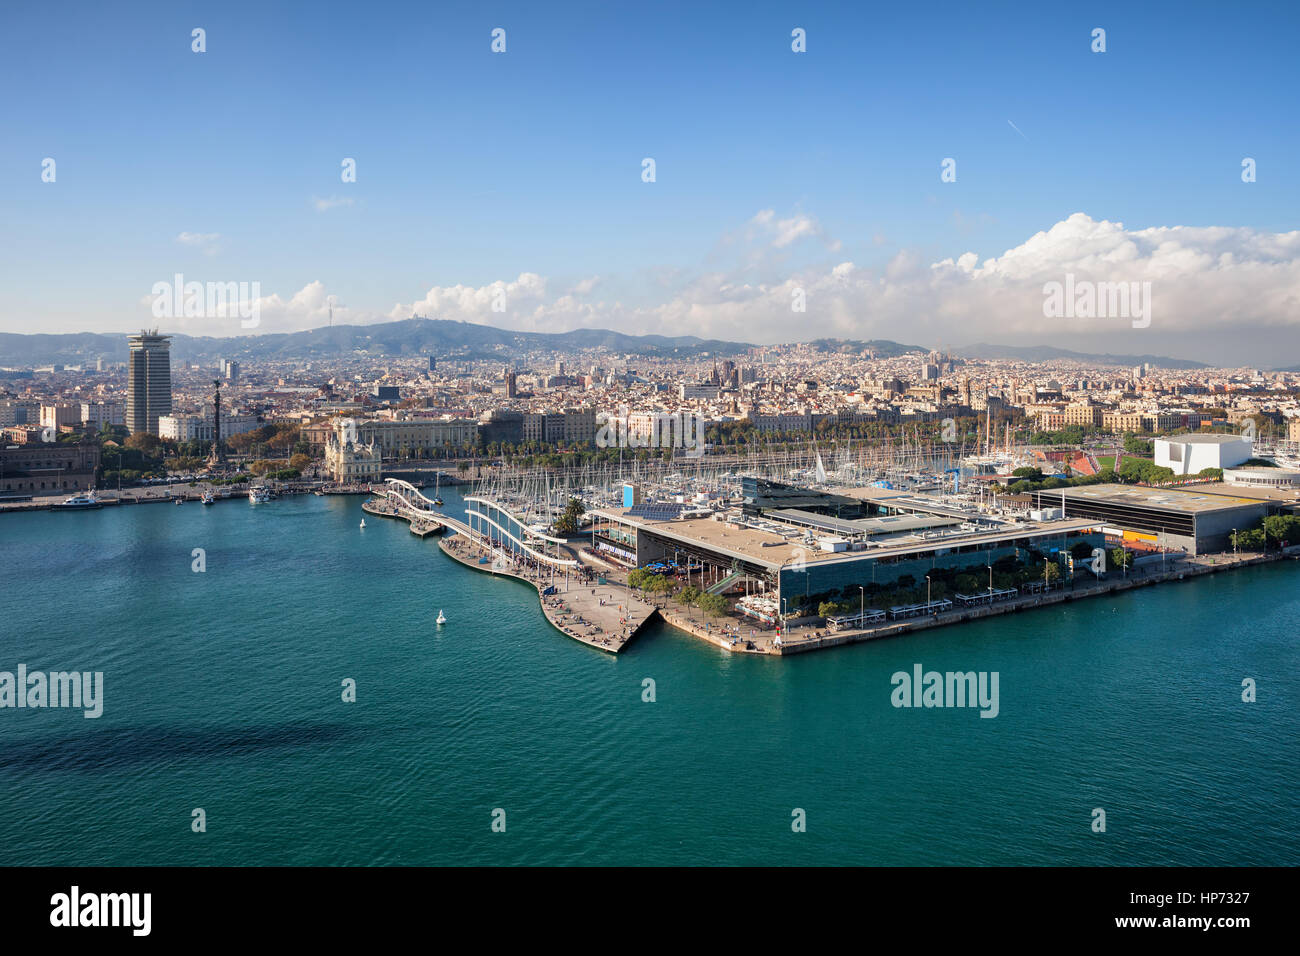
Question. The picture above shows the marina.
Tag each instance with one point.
(453, 707)
(773, 555)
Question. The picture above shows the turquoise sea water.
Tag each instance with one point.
(223, 691)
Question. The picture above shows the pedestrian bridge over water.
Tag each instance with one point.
(487, 523)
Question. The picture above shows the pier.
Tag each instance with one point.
(798, 640)
(602, 616)
(401, 500)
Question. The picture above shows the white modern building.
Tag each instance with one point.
(1262, 478)
(199, 427)
(99, 414)
(1191, 454)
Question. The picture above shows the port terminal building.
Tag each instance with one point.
(800, 545)
(1190, 519)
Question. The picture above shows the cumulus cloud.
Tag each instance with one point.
(1204, 280)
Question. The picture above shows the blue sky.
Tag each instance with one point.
(473, 167)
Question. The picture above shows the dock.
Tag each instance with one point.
(602, 616)
(422, 525)
(801, 639)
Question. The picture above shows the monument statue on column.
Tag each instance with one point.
(217, 458)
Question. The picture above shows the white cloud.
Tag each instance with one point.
(781, 233)
(205, 242)
(1204, 280)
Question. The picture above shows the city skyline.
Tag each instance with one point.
(489, 179)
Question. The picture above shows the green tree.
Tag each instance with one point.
(714, 605)
(1252, 539)
(567, 523)
(1282, 529)
(144, 442)
(830, 609)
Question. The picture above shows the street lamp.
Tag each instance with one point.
(862, 605)
(927, 590)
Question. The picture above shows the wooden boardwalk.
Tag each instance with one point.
(603, 617)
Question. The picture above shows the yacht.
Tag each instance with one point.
(441, 619)
(78, 503)
(259, 495)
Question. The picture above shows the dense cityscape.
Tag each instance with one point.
(691, 436)
(118, 420)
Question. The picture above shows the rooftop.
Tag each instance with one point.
(1192, 439)
(773, 550)
(1186, 500)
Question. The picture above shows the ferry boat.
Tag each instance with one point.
(209, 498)
(259, 495)
(78, 503)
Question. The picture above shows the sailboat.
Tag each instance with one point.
(441, 619)
(363, 523)
(437, 484)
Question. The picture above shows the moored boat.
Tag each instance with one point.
(77, 503)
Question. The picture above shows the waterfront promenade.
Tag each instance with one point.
(603, 616)
(741, 635)
(422, 525)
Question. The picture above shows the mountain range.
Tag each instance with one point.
(468, 341)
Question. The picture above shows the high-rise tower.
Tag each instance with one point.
(149, 381)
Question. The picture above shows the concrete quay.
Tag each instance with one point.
(799, 640)
(601, 616)
(421, 526)
(740, 635)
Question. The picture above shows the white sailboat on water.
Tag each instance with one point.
(441, 619)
